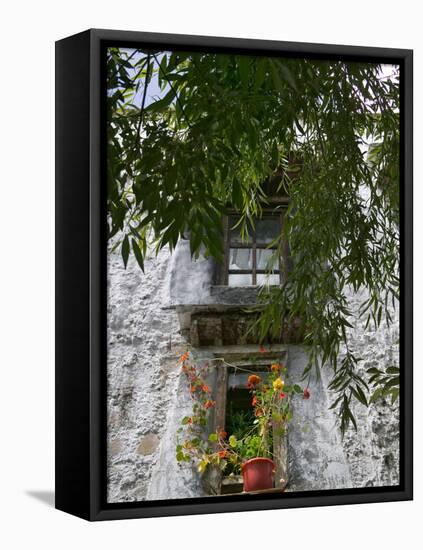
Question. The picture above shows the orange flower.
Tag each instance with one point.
(209, 404)
(259, 412)
(223, 434)
(276, 367)
(193, 388)
(205, 388)
(253, 380)
(184, 357)
(254, 401)
(222, 454)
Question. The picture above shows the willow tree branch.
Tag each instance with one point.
(174, 92)
(144, 95)
(122, 65)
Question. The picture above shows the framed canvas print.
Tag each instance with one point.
(234, 274)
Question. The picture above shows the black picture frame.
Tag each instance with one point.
(81, 277)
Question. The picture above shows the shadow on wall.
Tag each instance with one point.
(46, 497)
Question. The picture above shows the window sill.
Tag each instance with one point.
(254, 287)
(233, 486)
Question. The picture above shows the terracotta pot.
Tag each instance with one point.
(258, 474)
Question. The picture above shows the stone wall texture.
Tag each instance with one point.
(147, 397)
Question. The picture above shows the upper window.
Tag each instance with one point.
(252, 258)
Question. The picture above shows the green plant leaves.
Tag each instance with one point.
(138, 254)
(223, 126)
(125, 250)
(386, 383)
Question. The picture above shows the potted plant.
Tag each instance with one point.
(248, 450)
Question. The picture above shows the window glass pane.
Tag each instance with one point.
(267, 230)
(264, 279)
(267, 259)
(235, 236)
(240, 258)
(240, 279)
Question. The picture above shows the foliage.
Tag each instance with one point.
(219, 127)
(386, 383)
(253, 432)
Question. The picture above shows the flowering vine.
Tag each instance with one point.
(271, 397)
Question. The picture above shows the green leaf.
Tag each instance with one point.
(275, 154)
(223, 464)
(276, 77)
(377, 394)
(213, 437)
(374, 370)
(394, 395)
(379, 316)
(359, 394)
(288, 76)
(125, 250)
(352, 418)
(392, 370)
(161, 104)
(392, 383)
(232, 441)
(138, 254)
(260, 73)
(244, 70)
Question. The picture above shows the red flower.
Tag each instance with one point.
(259, 412)
(189, 421)
(254, 401)
(261, 349)
(222, 454)
(306, 393)
(282, 395)
(223, 434)
(209, 404)
(253, 380)
(205, 388)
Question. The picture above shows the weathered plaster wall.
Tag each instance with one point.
(147, 397)
(169, 478)
(316, 457)
(373, 452)
(143, 346)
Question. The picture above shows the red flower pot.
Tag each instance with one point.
(258, 474)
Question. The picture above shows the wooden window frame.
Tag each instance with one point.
(283, 267)
(219, 423)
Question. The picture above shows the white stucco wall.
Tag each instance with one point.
(143, 346)
(147, 398)
(373, 452)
